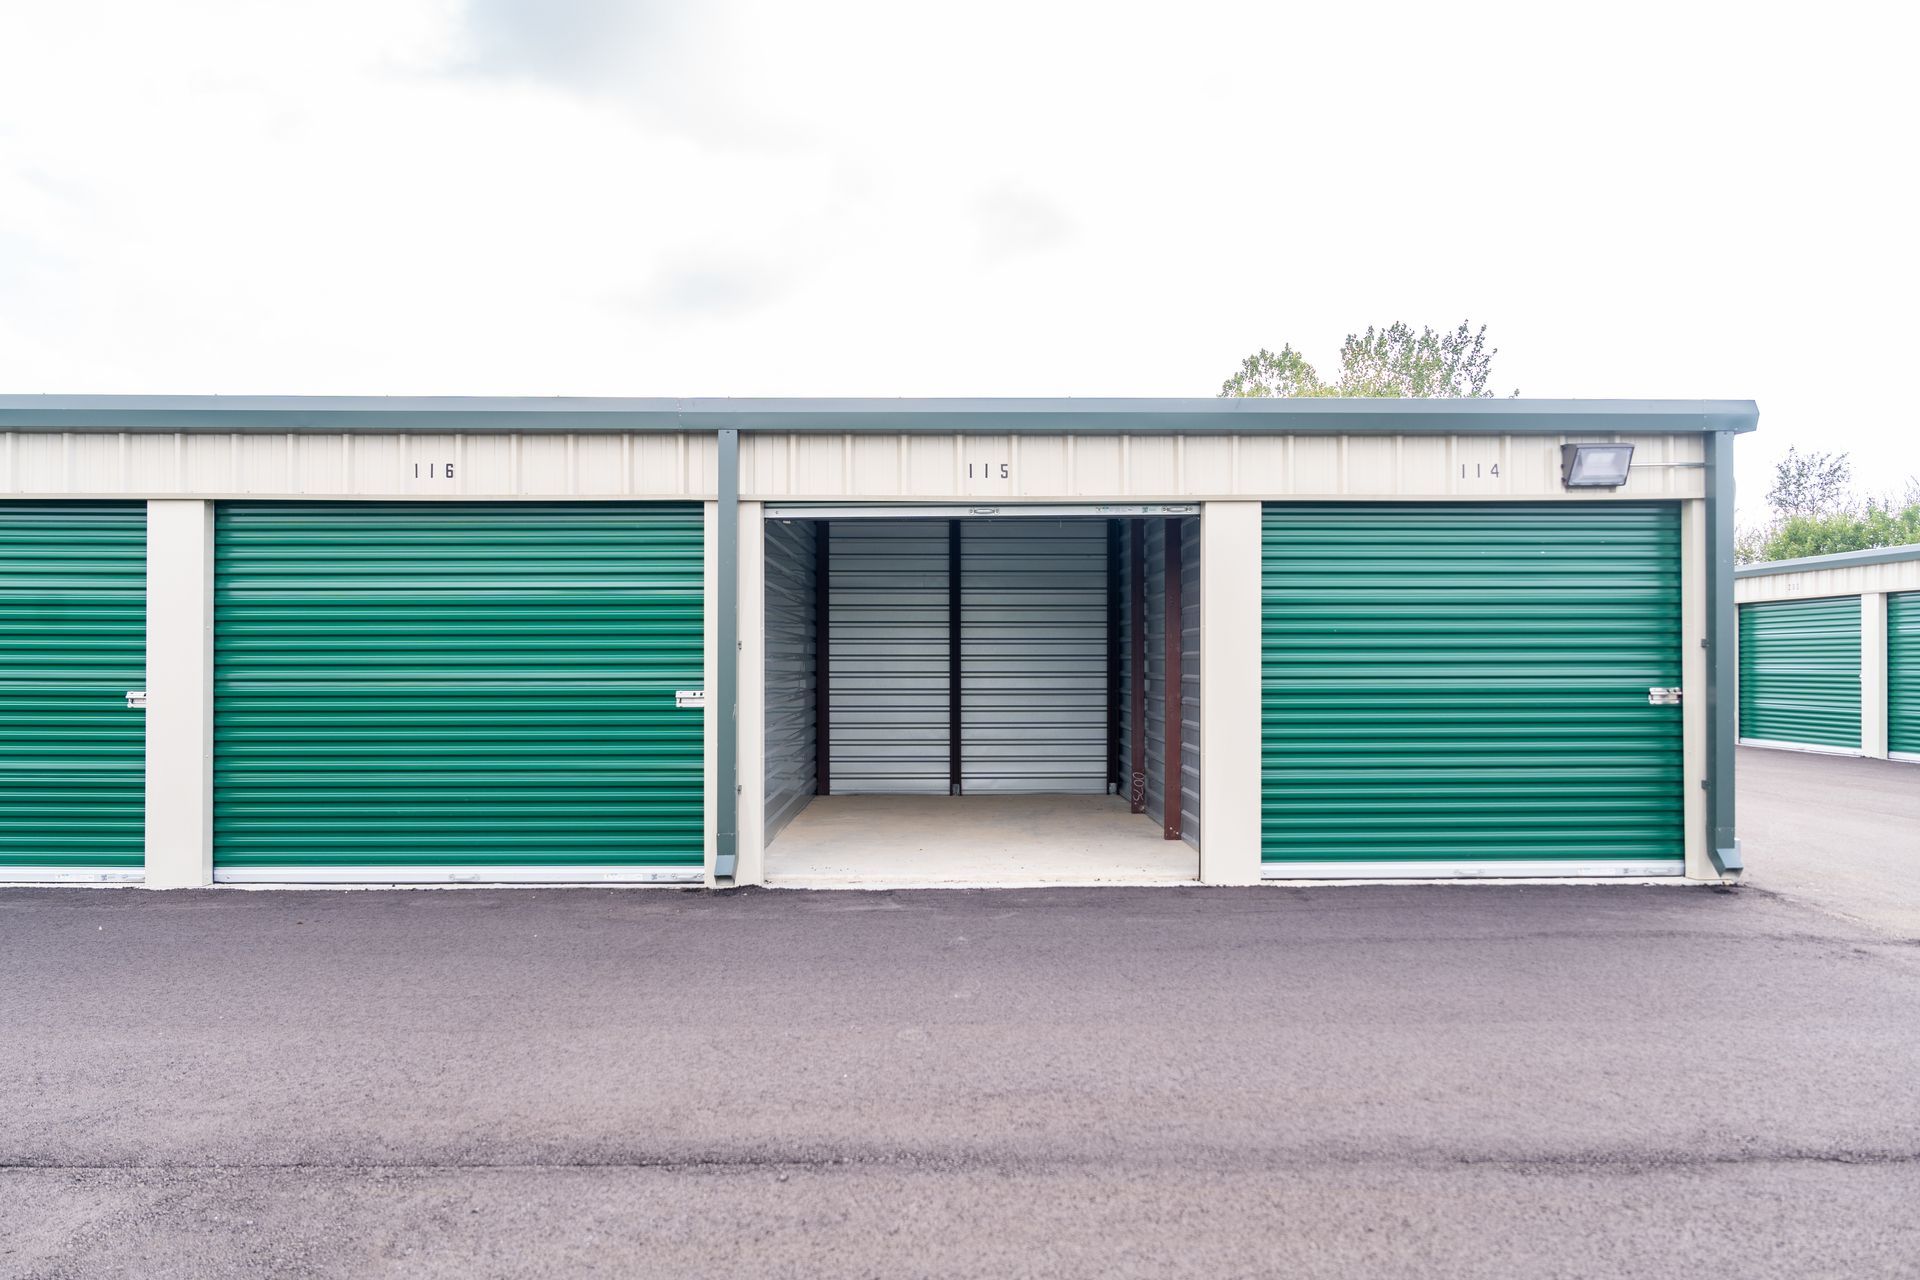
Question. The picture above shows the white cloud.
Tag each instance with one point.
(749, 197)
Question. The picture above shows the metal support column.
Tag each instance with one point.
(727, 679)
(1722, 666)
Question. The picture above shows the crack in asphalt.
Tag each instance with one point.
(964, 1163)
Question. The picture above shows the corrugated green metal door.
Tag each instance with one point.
(1800, 672)
(1469, 684)
(1903, 673)
(435, 686)
(73, 641)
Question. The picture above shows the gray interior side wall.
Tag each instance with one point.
(1156, 677)
(1155, 670)
(1127, 673)
(792, 672)
(1190, 551)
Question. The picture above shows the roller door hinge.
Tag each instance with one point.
(1663, 697)
(694, 698)
(136, 699)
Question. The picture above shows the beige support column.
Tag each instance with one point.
(751, 731)
(1230, 692)
(179, 693)
(1693, 687)
(1873, 675)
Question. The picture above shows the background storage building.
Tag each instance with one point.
(1830, 653)
(868, 642)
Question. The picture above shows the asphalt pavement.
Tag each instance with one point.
(1383, 1081)
(1837, 832)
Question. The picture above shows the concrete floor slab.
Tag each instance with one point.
(896, 842)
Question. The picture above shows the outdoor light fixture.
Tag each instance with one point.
(1595, 466)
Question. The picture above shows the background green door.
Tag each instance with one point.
(73, 641)
(1469, 683)
(1800, 672)
(457, 685)
(1903, 673)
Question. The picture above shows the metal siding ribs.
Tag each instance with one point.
(888, 674)
(457, 684)
(73, 637)
(792, 680)
(1470, 683)
(1033, 640)
(1800, 672)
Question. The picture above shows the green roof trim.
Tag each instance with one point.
(1838, 560)
(336, 414)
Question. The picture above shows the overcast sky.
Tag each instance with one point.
(635, 197)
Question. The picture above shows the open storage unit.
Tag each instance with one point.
(952, 697)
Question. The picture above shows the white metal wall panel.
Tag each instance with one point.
(1190, 682)
(825, 466)
(1033, 657)
(792, 672)
(888, 710)
(1030, 468)
(373, 465)
(1808, 584)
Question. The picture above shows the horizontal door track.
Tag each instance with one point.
(973, 511)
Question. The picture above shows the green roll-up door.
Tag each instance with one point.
(1903, 673)
(1800, 672)
(484, 686)
(1469, 684)
(73, 641)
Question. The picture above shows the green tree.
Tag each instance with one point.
(1878, 524)
(1810, 484)
(1392, 362)
(1265, 374)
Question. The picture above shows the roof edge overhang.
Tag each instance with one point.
(1225, 416)
(1838, 560)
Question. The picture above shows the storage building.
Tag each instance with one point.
(1830, 653)
(446, 640)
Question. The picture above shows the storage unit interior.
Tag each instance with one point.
(981, 699)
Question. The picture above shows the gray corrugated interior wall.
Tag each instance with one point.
(792, 672)
(1127, 674)
(1190, 681)
(887, 692)
(1033, 648)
